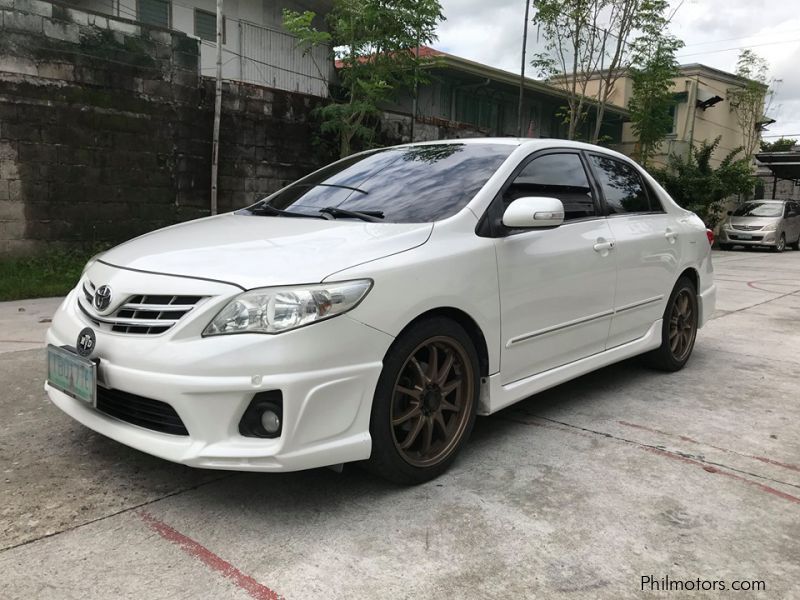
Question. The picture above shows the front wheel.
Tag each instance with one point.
(425, 402)
(780, 246)
(679, 328)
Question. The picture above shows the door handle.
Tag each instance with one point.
(603, 246)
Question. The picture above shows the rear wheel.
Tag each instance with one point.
(780, 246)
(796, 245)
(425, 402)
(679, 328)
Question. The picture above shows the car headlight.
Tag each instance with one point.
(278, 309)
(727, 225)
(770, 227)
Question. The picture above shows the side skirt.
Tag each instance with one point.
(501, 395)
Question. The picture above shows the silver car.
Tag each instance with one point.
(772, 223)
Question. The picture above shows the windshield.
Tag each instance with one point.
(759, 209)
(415, 184)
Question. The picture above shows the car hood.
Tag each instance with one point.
(754, 221)
(259, 251)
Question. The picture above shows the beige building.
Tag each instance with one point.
(702, 112)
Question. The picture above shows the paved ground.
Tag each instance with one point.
(575, 493)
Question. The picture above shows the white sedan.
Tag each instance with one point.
(369, 311)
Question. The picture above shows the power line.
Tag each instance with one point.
(739, 48)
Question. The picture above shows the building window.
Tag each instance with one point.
(205, 26)
(154, 12)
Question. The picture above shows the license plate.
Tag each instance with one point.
(71, 374)
(742, 236)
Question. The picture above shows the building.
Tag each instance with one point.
(702, 112)
(256, 47)
(467, 98)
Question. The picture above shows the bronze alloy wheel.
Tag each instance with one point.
(682, 325)
(430, 406)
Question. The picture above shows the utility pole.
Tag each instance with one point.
(416, 90)
(522, 68)
(217, 112)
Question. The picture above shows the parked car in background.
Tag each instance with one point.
(768, 223)
(369, 311)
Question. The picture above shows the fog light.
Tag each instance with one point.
(270, 421)
(264, 416)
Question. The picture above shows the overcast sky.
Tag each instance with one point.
(490, 31)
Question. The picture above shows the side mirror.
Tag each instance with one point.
(534, 212)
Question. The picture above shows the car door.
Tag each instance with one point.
(556, 285)
(647, 247)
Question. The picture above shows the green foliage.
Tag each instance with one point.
(375, 43)
(697, 186)
(780, 145)
(589, 41)
(652, 73)
(44, 274)
(748, 101)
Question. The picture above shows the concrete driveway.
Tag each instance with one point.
(579, 492)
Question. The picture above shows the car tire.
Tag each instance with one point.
(796, 245)
(780, 246)
(726, 246)
(679, 328)
(425, 402)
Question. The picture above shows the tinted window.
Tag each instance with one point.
(622, 187)
(559, 176)
(416, 184)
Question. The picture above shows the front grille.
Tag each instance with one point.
(141, 411)
(142, 314)
(747, 227)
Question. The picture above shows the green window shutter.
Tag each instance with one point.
(154, 12)
(205, 25)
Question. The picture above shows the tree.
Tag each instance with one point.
(589, 41)
(782, 144)
(652, 76)
(747, 102)
(697, 186)
(374, 43)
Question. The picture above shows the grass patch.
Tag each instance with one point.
(43, 275)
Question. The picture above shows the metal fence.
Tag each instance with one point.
(272, 58)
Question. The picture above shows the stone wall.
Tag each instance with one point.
(105, 130)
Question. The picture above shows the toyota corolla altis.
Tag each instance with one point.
(369, 311)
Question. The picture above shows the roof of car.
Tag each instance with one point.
(515, 141)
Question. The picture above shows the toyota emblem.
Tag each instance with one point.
(86, 341)
(102, 298)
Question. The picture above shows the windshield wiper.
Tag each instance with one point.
(271, 210)
(364, 215)
(344, 187)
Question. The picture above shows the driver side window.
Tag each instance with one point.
(559, 176)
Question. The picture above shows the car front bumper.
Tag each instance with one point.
(743, 238)
(326, 372)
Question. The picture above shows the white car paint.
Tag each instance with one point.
(550, 304)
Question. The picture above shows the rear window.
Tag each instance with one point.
(415, 184)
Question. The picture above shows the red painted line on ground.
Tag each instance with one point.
(666, 454)
(716, 471)
(208, 558)
(763, 459)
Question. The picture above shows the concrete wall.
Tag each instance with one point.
(105, 130)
